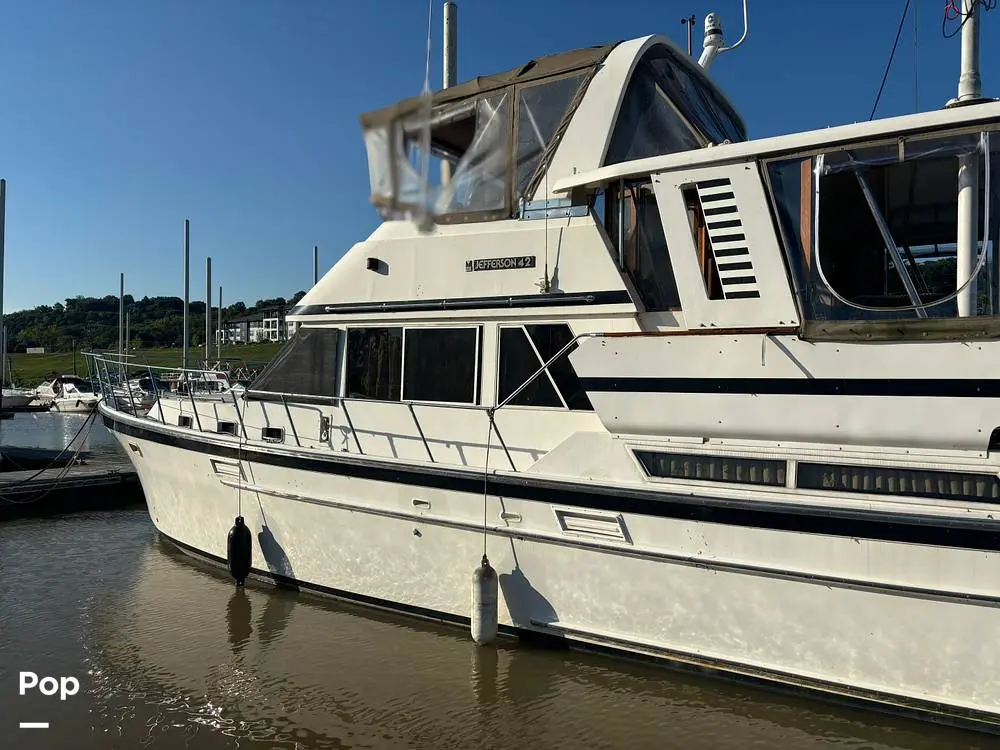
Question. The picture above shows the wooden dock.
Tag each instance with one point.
(98, 482)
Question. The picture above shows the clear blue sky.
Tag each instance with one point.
(118, 118)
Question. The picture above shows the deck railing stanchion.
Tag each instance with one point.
(239, 417)
(156, 392)
(291, 422)
(416, 422)
(197, 417)
(357, 442)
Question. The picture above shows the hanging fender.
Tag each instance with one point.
(239, 550)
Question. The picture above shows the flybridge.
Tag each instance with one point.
(508, 137)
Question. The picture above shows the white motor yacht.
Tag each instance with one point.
(730, 404)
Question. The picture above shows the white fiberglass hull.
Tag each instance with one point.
(16, 399)
(75, 404)
(900, 623)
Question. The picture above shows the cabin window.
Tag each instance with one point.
(306, 368)
(870, 233)
(374, 363)
(523, 350)
(441, 364)
(636, 230)
(702, 243)
(541, 109)
(183, 421)
(697, 100)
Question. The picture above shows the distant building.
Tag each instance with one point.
(35, 350)
(263, 325)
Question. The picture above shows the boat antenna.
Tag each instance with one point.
(689, 22)
(714, 44)
(888, 64)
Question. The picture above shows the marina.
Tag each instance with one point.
(86, 473)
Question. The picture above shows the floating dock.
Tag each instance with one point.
(94, 482)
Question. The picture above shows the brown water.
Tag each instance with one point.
(171, 655)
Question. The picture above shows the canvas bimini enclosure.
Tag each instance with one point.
(509, 137)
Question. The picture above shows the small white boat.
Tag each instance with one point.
(16, 398)
(68, 393)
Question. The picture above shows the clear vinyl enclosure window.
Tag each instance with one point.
(872, 232)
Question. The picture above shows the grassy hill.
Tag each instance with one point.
(29, 370)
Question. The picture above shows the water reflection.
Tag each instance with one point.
(54, 430)
(173, 654)
(238, 618)
(268, 665)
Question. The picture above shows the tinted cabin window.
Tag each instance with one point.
(523, 350)
(642, 245)
(374, 363)
(548, 340)
(667, 109)
(306, 366)
(441, 365)
(699, 103)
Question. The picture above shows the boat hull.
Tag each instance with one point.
(74, 405)
(16, 400)
(899, 625)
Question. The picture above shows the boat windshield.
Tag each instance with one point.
(667, 108)
(872, 231)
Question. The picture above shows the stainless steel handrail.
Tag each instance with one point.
(490, 411)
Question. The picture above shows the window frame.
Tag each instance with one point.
(788, 245)
(343, 354)
(478, 374)
(541, 361)
(477, 364)
(535, 178)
